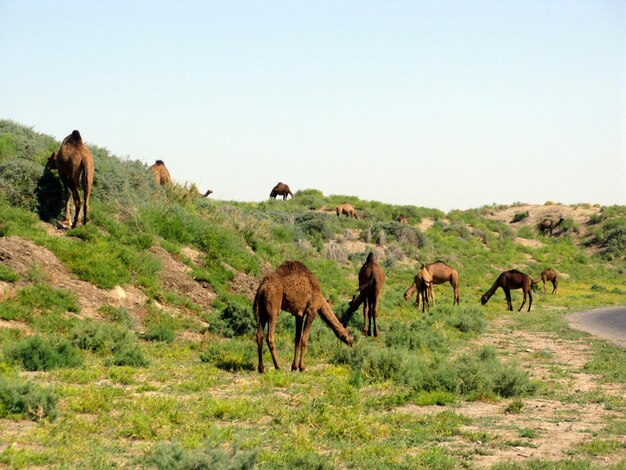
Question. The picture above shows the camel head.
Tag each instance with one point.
(52, 161)
(484, 299)
(273, 193)
(208, 192)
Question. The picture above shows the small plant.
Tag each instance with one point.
(160, 327)
(7, 275)
(171, 456)
(19, 398)
(235, 319)
(515, 407)
(35, 353)
(519, 216)
(231, 356)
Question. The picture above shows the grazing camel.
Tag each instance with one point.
(347, 210)
(161, 174)
(281, 189)
(549, 225)
(550, 276)
(440, 273)
(508, 280)
(293, 288)
(75, 165)
(371, 280)
(205, 194)
(402, 219)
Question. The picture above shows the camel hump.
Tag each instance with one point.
(159, 162)
(371, 257)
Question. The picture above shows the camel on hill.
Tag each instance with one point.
(161, 174)
(548, 275)
(281, 189)
(75, 165)
(402, 219)
(509, 280)
(440, 273)
(549, 225)
(347, 210)
(209, 191)
(371, 280)
(293, 288)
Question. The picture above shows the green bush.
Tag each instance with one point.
(128, 354)
(465, 319)
(160, 327)
(519, 216)
(7, 274)
(235, 319)
(26, 399)
(231, 356)
(171, 456)
(35, 353)
(416, 336)
(100, 337)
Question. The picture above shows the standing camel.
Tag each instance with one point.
(425, 286)
(549, 225)
(509, 280)
(209, 191)
(281, 189)
(161, 173)
(75, 165)
(293, 288)
(402, 219)
(440, 273)
(549, 275)
(347, 210)
(371, 280)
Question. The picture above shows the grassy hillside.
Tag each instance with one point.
(130, 341)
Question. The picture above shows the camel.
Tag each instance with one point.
(371, 280)
(402, 219)
(508, 280)
(548, 275)
(75, 165)
(293, 288)
(347, 210)
(161, 174)
(549, 225)
(200, 194)
(440, 273)
(281, 189)
(426, 287)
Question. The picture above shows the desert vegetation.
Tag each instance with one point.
(130, 341)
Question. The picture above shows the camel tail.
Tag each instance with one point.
(334, 324)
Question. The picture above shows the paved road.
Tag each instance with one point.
(607, 323)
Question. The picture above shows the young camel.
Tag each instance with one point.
(509, 280)
(281, 189)
(425, 286)
(440, 273)
(549, 225)
(161, 173)
(75, 165)
(293, 288)
(347, 210)
(371, 280)
(549, 275)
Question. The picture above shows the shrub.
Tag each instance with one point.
(100, 337)
(231, 356)
(172, 456)
(465, 319)
(235, 319)
(519, 216)
(160, 327)
(416, 336)
(117, 315)
(26, 399)
(129, 354)
(7, 274)
(35, 353)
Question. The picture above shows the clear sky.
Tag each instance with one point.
(446, 104)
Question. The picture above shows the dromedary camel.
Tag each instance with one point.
(347, 210)
(509, 280)
(371, 280)
(440, 273)
(402, 219)
(161, 174)
(281, 189)
(205, 194)
(293, 288)
(549, 275)
(75, 165)
(549, 225)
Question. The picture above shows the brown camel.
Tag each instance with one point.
(440, 273)
(347, 210)
(281, 189)
(161, 174)
(402, 219)
(293, 288)
(425, 281)
(549, 225)
(371, 280)
(75, 165)
(509, 280)
(205, 194)
(549, 275)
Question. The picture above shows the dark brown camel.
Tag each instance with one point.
(371, 280)
(347, 210)
(281, 189)
(549, 225)
(440, 273)
(75, 165)
(402, 219)
(509, 280)
(205, 194)
(549, 275)
(293, 288)
(161, 174)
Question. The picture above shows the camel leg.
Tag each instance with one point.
(507, 294)
(530, 299)
(375, 315)
(310, 316)
(259, 342)
(77, 205)
(365, 331)
(523, 301)
(456, 295)
(555, 284)
(67, 194)
(86, 192)
(299, 323)
(270, 340)
(431, 291)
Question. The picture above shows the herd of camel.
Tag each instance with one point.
(292, 287)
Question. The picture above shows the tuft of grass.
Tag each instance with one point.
(35, 353)
(172, 456)
(7, 274)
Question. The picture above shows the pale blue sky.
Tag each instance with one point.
(446, 104)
